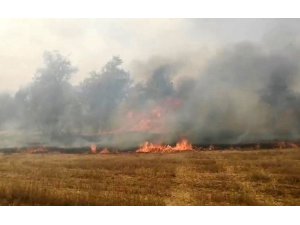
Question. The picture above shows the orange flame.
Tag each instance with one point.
(93, 148)
(183, 145)
(37, 150)
(104, 151)
(153, 120)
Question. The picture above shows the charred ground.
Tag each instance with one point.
(264, 145)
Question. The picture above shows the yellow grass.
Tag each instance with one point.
(265, 177)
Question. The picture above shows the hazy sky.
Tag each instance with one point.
(90, 43)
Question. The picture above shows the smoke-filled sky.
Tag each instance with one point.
(90, 43)
(124, 81)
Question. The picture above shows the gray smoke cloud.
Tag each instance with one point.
(245, 92)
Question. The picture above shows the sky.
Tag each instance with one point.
(90, 43)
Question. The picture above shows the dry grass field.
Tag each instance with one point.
(264, 177)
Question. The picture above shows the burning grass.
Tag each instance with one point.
(265, 177)
(183, 145)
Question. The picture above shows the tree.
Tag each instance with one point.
(103, 92)
(7, 109)
(159, 84)
(50, 94)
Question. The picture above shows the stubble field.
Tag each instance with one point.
(262, 177)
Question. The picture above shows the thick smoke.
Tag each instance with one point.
(247, 92)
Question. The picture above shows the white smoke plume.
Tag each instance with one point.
(243, 92)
